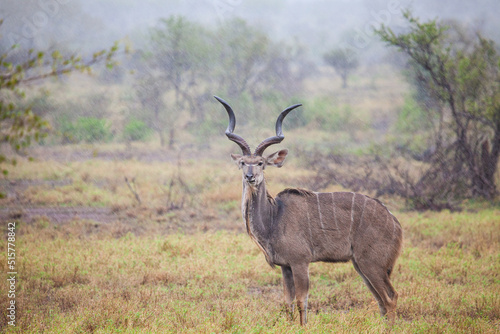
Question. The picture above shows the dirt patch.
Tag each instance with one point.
(110, 221)
(12, 188)
(68, 154)
(58, 215)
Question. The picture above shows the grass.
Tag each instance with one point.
(71, 280)
(193, 270)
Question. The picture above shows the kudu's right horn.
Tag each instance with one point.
(279, 132)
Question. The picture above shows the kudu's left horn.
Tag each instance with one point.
(230, 128)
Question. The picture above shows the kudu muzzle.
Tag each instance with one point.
(249, 175)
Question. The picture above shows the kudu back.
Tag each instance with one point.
(298, 226)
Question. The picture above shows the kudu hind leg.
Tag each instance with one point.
(301, 282)
(367, 283)
(378, 281)
(288, 289)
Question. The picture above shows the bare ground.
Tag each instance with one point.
(58, 215)
(162, 219)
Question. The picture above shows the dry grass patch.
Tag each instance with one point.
(71, 280)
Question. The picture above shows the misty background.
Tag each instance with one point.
(362, 99)
(319, 25)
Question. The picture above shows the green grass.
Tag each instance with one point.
(72, 279)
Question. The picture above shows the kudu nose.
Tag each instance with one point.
(249, 177)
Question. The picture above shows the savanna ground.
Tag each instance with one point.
(167, 252)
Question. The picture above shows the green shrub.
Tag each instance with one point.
(411, 118)
(91, 130)
(412, 130)
(328, 116)
(136, 130)
(67, 130)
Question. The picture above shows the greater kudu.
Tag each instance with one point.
(300, 226)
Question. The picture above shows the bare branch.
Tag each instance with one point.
(133, 189)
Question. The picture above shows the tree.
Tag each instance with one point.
(463, 81)
(174, 66)
(454, 124)
(253, 70)
(344, 61)
(186, 63)
(180, 50)
(243, 52)
(149, 92)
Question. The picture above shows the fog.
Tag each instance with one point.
(360, 96)
(318, 25)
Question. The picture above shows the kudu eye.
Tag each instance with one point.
(260, 163)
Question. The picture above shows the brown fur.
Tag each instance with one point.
(296, 191)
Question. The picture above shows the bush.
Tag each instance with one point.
(91, 130)
(412, 130)
(327, 116)
(136, 130)
(67, 130)
(412, 118)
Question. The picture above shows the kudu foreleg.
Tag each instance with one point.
(301, 282)
(288, 289)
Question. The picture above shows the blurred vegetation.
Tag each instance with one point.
(460, 82)
(91, 130)
(163, 91)
(136, 130)
(344, 61)
(24, 122)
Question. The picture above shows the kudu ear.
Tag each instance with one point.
(277, 158)
(236, 159)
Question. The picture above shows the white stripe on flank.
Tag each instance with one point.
(310, 233)
(352, 212)
(389, 214)
(319, 211)
(334, 211)
(362, 213)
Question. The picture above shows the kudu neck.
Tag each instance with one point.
(259, 211)
(257, 196)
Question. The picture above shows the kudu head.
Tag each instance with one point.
(253, 164)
